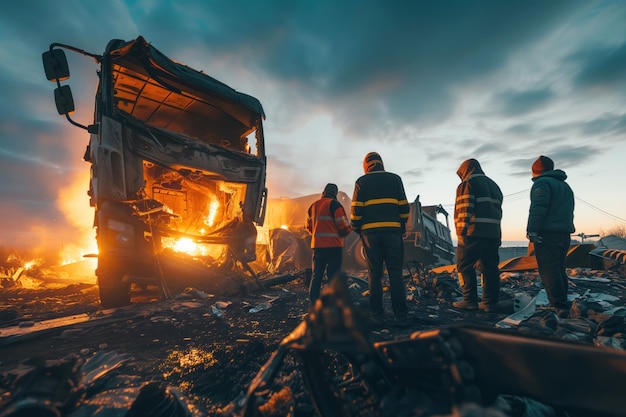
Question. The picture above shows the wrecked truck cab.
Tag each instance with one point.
(178, 169)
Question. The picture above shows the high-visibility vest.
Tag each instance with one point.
(328, 223)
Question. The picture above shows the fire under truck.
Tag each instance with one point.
(178, 169)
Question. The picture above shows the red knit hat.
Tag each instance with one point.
(541, 165)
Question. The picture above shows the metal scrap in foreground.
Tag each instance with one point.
(446, 371)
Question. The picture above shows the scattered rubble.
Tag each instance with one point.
(211, 347)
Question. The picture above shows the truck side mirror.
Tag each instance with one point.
(64, 100)
(55, 65)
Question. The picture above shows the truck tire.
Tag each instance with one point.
(114, 292)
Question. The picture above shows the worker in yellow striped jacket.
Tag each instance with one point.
(379, 213)
(477, 217)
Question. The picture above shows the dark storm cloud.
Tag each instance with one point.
(568, 156)
(621, 125)
(600, 66)
(488, 148)
(520, 129)
(66, 22)
(21, 138)
(414, 175)
(419, 49)
(606, 124)
(611, 123)
(384, 60)
(370, 62)
(516, 103)
(449, 155)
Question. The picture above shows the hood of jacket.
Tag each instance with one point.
(468, 168)
(373, 162)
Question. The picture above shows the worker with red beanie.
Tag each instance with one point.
(550, 223)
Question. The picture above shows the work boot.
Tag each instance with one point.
(468, 291)
(488, 307)
(465, 305)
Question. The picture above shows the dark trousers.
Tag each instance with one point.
(324, 259)
(485, 251)
(385, 248)
(551, 254)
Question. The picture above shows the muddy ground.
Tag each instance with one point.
(211, 347)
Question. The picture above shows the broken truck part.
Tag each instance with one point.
(178, 169)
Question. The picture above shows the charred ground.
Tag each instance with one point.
(211, 347)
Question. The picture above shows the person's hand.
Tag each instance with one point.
(461, 240)
(534, 237)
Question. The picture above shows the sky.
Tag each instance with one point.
(426, 84)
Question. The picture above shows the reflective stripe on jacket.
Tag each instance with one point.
(478, 205)
(379, 203)
(328, 223)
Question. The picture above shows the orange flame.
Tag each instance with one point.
(74, 203)
(214, 205)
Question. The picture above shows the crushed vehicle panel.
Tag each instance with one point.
(178, 169)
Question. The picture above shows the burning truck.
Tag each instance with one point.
(178, 169)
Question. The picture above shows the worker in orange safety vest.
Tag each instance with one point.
(327, 223)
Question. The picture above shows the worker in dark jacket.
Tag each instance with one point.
(379, 214)
(550, 223)
(477, 217)
(328, 223)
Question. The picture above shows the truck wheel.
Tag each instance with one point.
(113, 291)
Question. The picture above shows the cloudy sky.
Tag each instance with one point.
(427, 84)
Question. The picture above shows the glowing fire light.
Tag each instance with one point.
(214, 205)
(31, 264)
(24, 263)
(74, 203)
(189, 247)
(184, 245)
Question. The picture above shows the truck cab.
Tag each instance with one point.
(178, 169)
